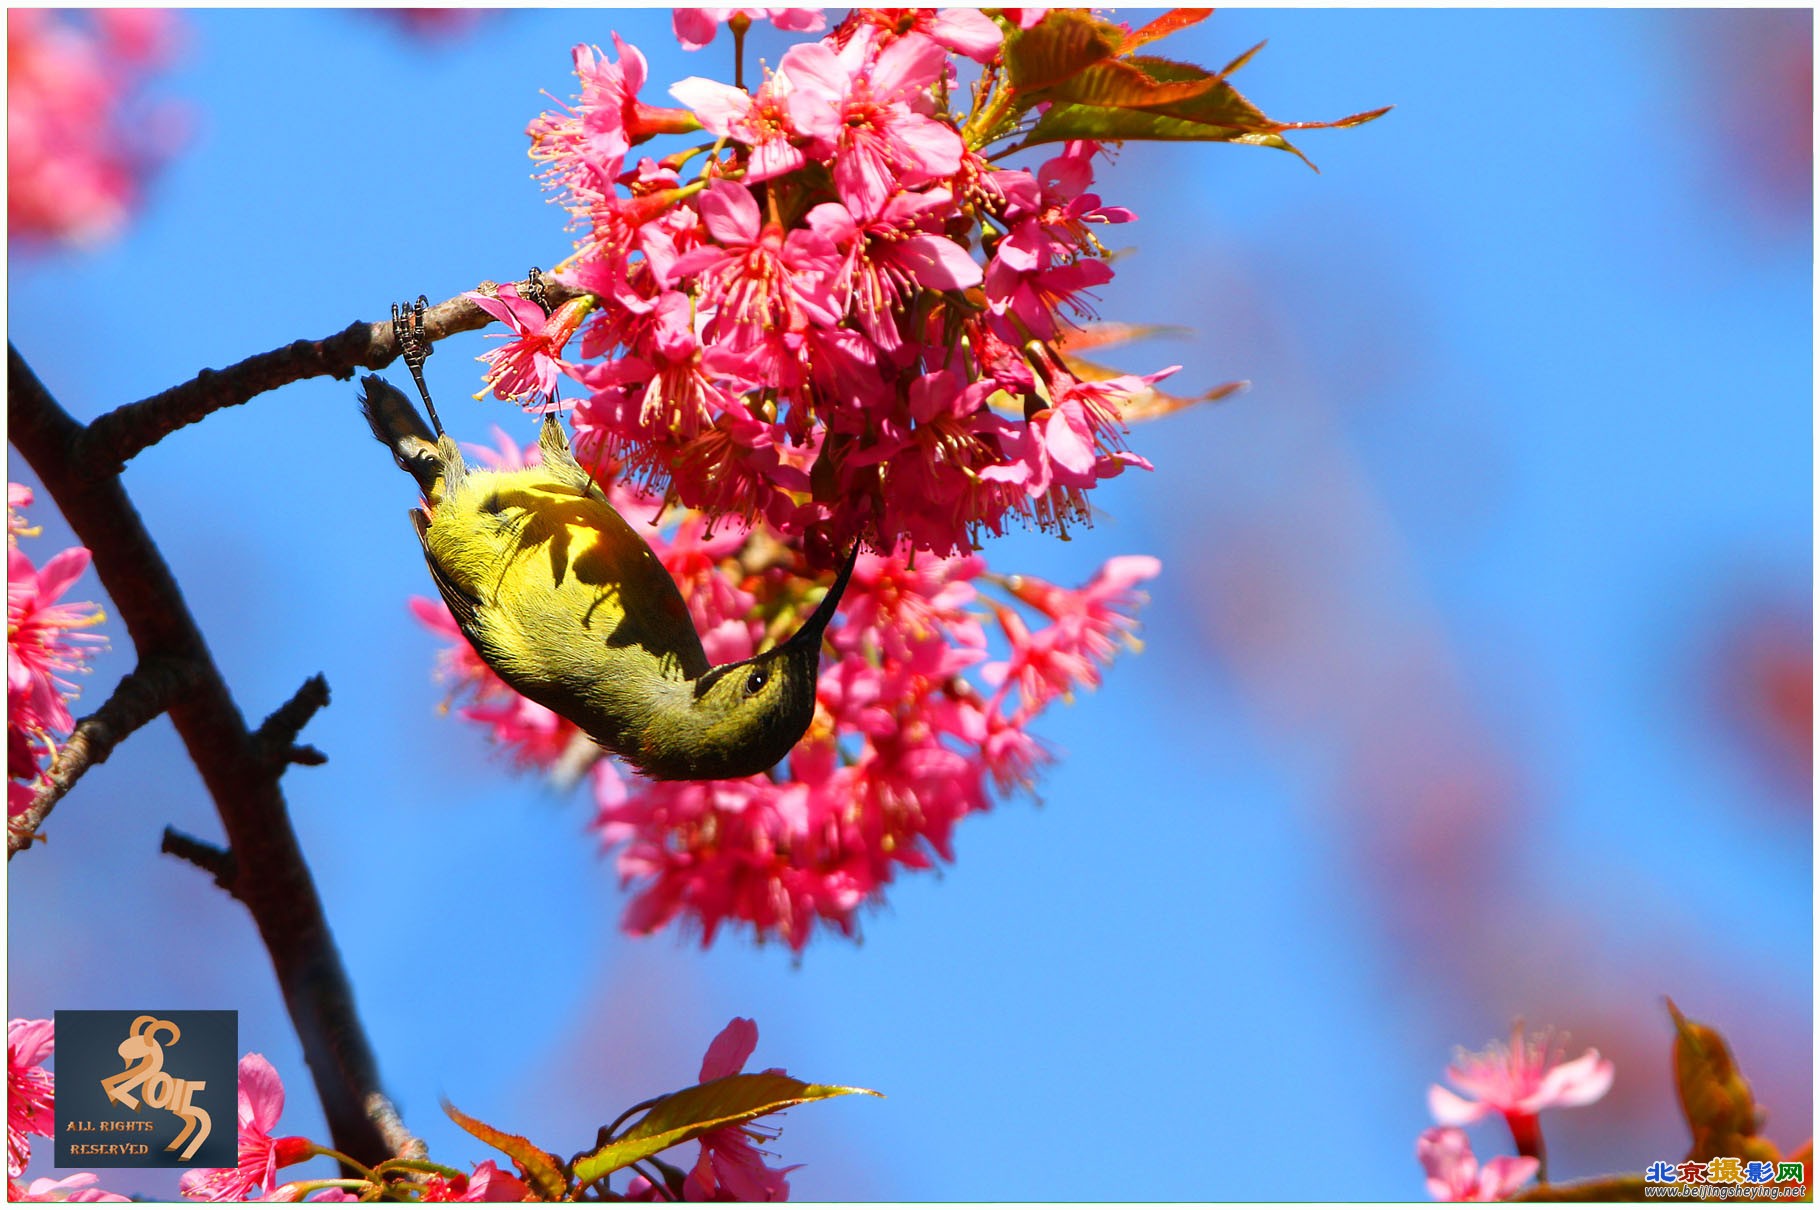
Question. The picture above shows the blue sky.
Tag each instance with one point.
(1430, 731)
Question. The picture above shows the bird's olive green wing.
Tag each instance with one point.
(463, 604)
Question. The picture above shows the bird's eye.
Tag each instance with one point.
(755, 680)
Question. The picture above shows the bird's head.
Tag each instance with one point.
(743, 718)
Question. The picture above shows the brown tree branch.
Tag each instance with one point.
(113, 439)
(142, 695)
(269, 874)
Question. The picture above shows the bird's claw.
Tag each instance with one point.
(534, 289)
(414, 347)
(407, 330)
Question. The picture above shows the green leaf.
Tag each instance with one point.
(1105, 96)
(1064, 43)
(540, 1170)
(1145, 97)
(1124, 84)
(693, 1112)
(1720, 1110)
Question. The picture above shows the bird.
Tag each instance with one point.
(562, 598)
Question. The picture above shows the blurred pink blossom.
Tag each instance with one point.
(30, 1090)
(1454, 1175)
(1518, 1081)
(81, 145)
(77, 1187)
(696, 27)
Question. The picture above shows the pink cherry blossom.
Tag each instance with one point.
(77, 1187)
(764, 287)
(696, 27)
(667, 391)
(871, 114)
(43, 644)
(40, 644)
(530, 363)
(261, 1102)
(761, 121)
(1454, 1174)
(730, 1165)
(30, 1090)
(887, 260)
(1518, 1081)
(585, 147)
(1027, 288)
(966, 31)
(487, 1183)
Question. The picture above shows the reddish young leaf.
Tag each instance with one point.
(1171, 21)
(541, 1170)
(1240, 61)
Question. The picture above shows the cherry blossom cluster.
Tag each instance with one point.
(1516, 1082)
(832, 312)
(44, 643)
(80, 143)
(915, 723)
(832, 320)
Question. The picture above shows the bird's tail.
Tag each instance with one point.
(435, 464)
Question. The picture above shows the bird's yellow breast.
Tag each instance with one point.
(565, 592)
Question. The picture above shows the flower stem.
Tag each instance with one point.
(1526, 1131)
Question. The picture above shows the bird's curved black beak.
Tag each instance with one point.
(809, 634)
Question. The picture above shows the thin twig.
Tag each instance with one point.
(269, 874)
(276, 738)
(212, 860)
(114, 438)
(141, 696)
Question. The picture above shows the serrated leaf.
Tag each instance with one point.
(1124, 84)
(1241, 60)
(1145, 97)
(1064, 43)
(1721, 1113)
(693, 1112)
(1065, 121)
(540, 1170)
